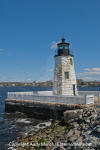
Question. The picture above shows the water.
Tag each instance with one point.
(15, 124)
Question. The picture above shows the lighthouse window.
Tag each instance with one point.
(60, 47)
(66, 75)
(71, 61)
(66, 47)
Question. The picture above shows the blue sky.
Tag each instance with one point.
(29, 30)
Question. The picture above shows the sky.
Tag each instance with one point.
(29, 30)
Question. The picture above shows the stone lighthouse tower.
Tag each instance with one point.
(64, 74)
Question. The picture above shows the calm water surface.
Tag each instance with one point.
(13, 125)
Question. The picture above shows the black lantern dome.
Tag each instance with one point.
(63, 48)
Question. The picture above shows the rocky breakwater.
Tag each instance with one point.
(79, 130)
(85, 131)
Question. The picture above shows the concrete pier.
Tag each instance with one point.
(44, 104)
(41, 98)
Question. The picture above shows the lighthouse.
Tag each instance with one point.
(64, 73)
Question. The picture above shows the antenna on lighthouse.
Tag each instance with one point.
(63, 36)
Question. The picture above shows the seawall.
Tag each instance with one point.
(45, 103)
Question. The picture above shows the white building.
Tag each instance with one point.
(64, 74)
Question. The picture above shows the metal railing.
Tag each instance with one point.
(42, 97)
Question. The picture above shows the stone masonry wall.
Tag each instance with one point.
(64, 86)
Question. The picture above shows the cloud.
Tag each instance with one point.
(5, 52)
(92, 69)
(89, 74)
(1, 50)
(50, 70)
(53, 45)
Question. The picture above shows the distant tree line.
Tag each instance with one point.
(80, 82)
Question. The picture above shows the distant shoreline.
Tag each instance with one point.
(44, 86)
(80, 83)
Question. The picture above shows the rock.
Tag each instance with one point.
(72, 114)
(82, 126)
(77, 132)
(75, 124)
(95, 123)
(72, 138)
(88, 149)
(98, 118)
(70, 133)
(87, 121)
(79, 140)
(79, 121)
(80, 116)
(89, 132)
(59, 148)
(97, 129)
(94, 116)
(42, 125)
